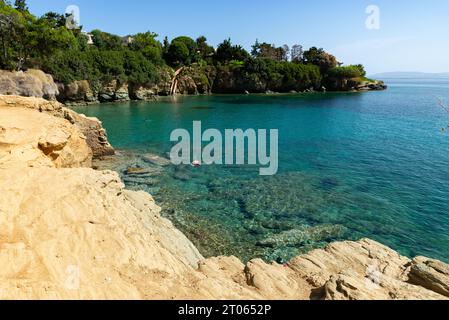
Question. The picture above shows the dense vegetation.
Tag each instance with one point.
(70, 54)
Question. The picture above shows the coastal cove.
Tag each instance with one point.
(72, 232)
(224, 158)
(351, 165)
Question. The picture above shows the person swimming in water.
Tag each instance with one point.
(196, 163)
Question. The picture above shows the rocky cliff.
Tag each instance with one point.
(31, 83)
(77, 92)
(355, 84)
(70, 232)
(191, 80)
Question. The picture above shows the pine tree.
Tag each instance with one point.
(255, 49)
(21, 5)
(165, 45)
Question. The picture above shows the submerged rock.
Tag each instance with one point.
(137, 171)
(140, 181)
(142, 172)
(298, 237)
(328, 183)
(156, 160)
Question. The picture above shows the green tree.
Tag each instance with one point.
(138, 69)
(264, 51)
(106, 41)
(55, 19)
(110, 63)
(147, 44)
(227, 52)
(69, 65)
(361, 68)
(12, 33)
(17, 37)
(182, 51)
(320, 58)
(178, 53)
(165, 46)
(21, 5)
(255, 49)
(269, 51)
(206, 51)
(44, 38)
(347, 72)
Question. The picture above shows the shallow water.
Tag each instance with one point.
(351, 165)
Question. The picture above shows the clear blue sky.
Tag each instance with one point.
(413, 34)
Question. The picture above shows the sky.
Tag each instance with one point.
(411, 35)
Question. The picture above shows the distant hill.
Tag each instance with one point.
(409, 75)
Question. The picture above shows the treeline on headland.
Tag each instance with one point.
(147, 66)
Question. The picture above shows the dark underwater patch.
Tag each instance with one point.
(202, 108)
(328, 184)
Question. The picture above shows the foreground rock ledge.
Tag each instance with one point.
(70, 232)
(95, 134)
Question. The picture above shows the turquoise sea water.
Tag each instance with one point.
(352, 165)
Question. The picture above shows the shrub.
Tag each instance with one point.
(347, 72)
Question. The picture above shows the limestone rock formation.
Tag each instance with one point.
(77, 92)
(31, 83)
(430, 274)
(364, 270)
(91, 127)
(114, 91)
(193, 81)
(96, 135)
(355, 85)
(77, 234)
(31, 138)
(348, 285)
(139, 92)
(152, 91)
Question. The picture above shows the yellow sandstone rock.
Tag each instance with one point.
(30, 138)
(92, 129)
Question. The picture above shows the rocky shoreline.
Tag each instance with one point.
(70, 232)
(186, 81)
